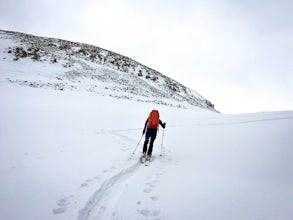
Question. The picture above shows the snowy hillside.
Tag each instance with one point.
(65, 65)
(64, 155)
(65, 152)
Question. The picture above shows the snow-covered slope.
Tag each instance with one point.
(64, 152)
(64, 155)
(65, 65)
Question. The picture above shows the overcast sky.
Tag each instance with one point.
(236, 53)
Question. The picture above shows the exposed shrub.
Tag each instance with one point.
(20, 52)
(36, 57)
(83, 51)
(155, 78)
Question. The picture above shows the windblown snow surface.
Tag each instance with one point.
(65, 154)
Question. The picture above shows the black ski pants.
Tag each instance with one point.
(151, 133)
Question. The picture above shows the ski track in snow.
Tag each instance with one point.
(98, 204)
(108, 187)
(102, 203)
(228, 120)
(106, 195)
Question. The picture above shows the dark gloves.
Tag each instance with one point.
(143, 132)
(164, 125)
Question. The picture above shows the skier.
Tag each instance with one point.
(152, 124)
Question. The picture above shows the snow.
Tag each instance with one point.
(47, 62)
(65, 154)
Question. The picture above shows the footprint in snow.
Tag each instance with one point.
(59, 210)
(83, 185)
(104, 171)
(86, 183)
(147, 190)
(160, 173)
(149, 187)
(150, 184)
(149, 213)
(62, 205)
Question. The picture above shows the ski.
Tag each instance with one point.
(147, 162)
(142, 159)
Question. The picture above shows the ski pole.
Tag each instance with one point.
(161, 154)
(136, 147)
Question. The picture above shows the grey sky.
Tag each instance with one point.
(237, 54)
